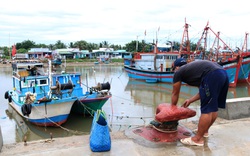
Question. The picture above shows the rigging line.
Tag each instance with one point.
(138, 117)
(128, 99)
(112, 109)
(88, 109)
(125, 126)
(122, 98)
(86, 85)
(122, 83)
(120, 74)
(241, 67)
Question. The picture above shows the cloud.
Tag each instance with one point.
(117, 21)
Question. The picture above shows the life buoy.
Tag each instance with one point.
(6, 95)
(26, 109)
(9, 99)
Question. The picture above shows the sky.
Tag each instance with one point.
(120, 21)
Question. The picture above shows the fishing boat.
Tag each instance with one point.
(45, 98)
(244, 69)
(39, 96)
(56, 61)
(156, 66)
(143, 67)
(235, 62)
(92, 100)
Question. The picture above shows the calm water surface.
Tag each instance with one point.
(133, 103)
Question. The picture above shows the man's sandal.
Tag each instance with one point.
(189, 141)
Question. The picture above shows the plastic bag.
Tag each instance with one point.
(100, 140)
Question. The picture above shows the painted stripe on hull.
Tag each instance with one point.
(144, 75)
(52, 121)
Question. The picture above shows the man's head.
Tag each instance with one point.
(179, 62)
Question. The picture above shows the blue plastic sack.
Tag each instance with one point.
(100, 140)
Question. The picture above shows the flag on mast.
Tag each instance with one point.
(14, 50)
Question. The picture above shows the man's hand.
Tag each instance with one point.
(191, 100)
(186, 103)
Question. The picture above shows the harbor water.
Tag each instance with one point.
(133, 103)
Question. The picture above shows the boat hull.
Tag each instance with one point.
(89, 104)
(149, 75)
(231, 70)
(53, 113)
(244, 70)
(237, 71)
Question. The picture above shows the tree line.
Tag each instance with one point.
(132, 46)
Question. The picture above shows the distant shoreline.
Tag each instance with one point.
(74, 64)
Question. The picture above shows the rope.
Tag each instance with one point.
(120, 74)
(88, 109)
(129, 99)
(64, 128)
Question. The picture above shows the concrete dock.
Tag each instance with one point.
(226, 137)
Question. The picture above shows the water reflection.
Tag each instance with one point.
(242, 90)
(32, 132)
(156, 93)
(133, 103)
(161, 92)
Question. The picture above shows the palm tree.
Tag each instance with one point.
(104, 44)
(60, 45)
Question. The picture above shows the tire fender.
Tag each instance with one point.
(26, 109)
(9, 99)
(6, 95)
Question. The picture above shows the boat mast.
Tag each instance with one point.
(217, 36)
(185, 42)
(9, 47)
(155, 54)
(136, 48)
(50, 74)
(156, 49)
(204, 37)
(244, 47)
(218, 47)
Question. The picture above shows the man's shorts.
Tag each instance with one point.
(213, 91)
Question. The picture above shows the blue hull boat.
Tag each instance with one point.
(45, 98)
